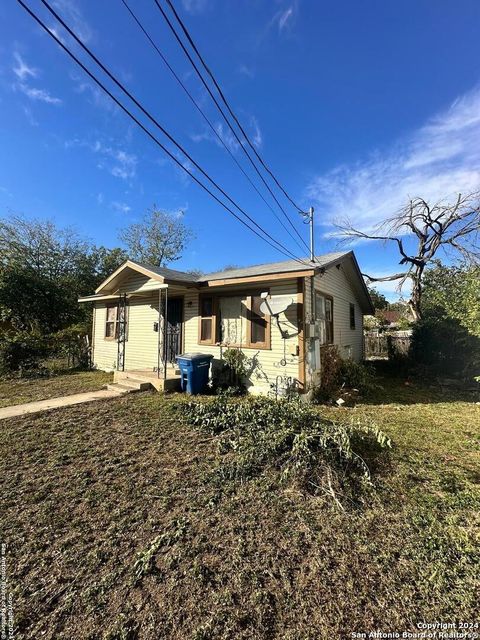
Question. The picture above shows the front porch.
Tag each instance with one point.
(138, 327)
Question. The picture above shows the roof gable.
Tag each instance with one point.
(156, 274)
(355, 278)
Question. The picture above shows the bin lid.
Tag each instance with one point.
(194, 356)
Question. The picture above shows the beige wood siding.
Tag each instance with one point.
(141, 346)
(266, 363)
(104, 351)
(334, 283)
(139, 283)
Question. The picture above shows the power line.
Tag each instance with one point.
(232, 129)
(152, 136)
(205, 117)
(230, 110)
(164, 131)
(152, 119)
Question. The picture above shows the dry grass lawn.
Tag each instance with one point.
(116, 529)
(20, 390)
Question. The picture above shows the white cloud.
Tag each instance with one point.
(39, 95)
(283, 19)
(244, 70)
(438, 160)
(121, 207)
(121, 165)
(195, 6)
(183, 177)
(225, 133)
(21, 69)
(257, 138)
(6, 192)
(23, 72)
(30, 117)
(70, 12)
(118, 162)
(97, 97)
(56, 32)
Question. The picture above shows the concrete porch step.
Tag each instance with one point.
(137, 383)
(148, 378)
(129, 385)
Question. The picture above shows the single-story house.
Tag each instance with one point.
(278, 314)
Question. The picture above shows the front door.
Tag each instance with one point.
(174, 329)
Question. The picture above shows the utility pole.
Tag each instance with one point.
(312, 247)
(308, 219)
(312, 259)
(314, 346)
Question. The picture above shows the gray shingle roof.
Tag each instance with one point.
(271, 268)
(274, 267)
(255, 270)
(169, 274)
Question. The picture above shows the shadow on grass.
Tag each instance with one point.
(397, 386)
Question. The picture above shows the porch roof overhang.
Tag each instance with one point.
(99, 297)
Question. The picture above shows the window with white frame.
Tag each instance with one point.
(234, 320)
(232, 314)
(324, 316)
(113, 321)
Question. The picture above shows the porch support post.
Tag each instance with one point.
(159, 360)
(165, 328)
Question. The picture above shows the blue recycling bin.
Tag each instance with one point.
(194, 369)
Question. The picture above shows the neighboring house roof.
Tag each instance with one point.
(390, 316)
(262, 271)
(393, 316)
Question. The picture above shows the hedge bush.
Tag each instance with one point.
(339, 374)
(442, 346)
(22, 351)
(28, 352)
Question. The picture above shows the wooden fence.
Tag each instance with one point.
(384, 345)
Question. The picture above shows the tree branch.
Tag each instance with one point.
(395, 276)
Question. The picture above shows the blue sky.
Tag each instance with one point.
(356, 106)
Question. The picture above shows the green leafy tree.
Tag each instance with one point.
(401, 307)
(96, 265)
(454, 292)
(378, 299)
(447, 339)
(43, 271)
(158, 239)
(38, 269)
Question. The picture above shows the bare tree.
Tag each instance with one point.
(158, 239)
(451, 227)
